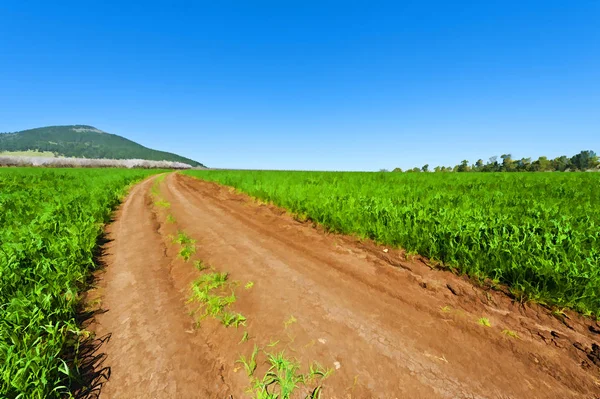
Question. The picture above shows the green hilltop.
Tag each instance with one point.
(82, 141)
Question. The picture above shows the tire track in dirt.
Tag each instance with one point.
(383, 328)
(149, 350)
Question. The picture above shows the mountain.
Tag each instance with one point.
(83, 141)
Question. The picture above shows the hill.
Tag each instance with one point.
(83, 142)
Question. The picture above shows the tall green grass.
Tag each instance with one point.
(50, 221)
(537, 232)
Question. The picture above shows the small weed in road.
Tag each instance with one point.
(186, 252)
(182, 239)
(484, 321)
(510, 333)
(200, 265)
(209, 290)
(289, 321)
(163, 204)
(316, 370)
(250, 362)
(284, 377)
(232, 319)
(187, 245)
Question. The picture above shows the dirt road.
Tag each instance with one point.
(388, 326)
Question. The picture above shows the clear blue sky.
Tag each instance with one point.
(310, 85)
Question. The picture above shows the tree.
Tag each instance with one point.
(523, 164)
(507, 163)
(479, 165)
(425, 168)
(561, 163)
(437, 169)
(463, 167)
(492, 165)
(397, 170)
(543, 164)
(585, 160)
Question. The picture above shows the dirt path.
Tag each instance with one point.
(390, 327)
(150, 347)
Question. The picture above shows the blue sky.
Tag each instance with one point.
(310, 85)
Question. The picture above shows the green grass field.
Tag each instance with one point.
(539, 233)
(50, 220)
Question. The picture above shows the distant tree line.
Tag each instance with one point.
(585, 160)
